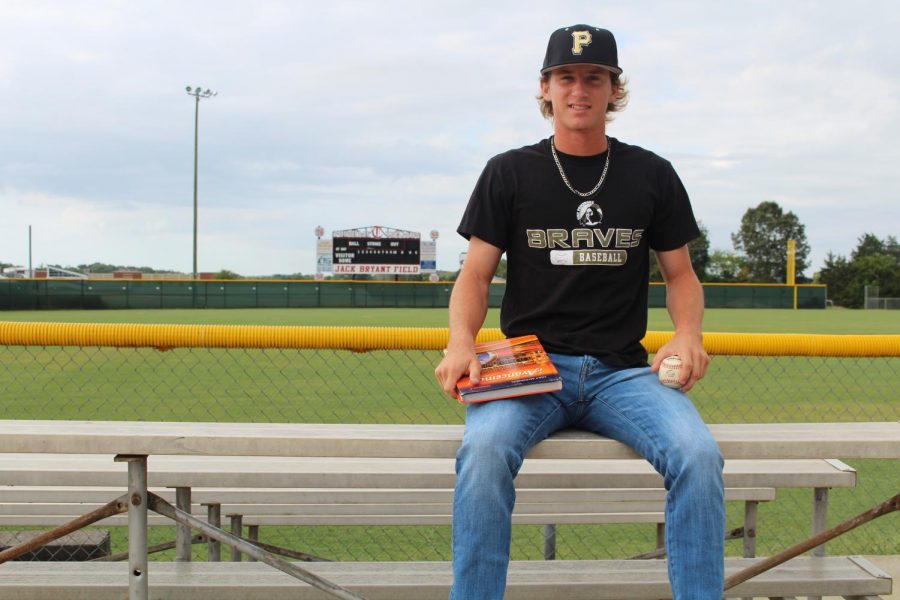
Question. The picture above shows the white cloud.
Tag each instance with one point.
(350, 114)
(267, 167)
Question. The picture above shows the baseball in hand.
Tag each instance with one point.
(669, 371)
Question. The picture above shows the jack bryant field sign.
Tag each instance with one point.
(390, 256)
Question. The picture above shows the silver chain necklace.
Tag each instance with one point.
(565, 179)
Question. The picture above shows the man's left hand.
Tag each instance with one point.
(694, 359)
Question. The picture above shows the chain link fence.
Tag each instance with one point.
(875, 301)
(329, 385)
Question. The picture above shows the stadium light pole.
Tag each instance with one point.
(197, 93)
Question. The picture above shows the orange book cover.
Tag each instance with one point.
(513, 367)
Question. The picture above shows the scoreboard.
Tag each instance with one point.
(382, 255)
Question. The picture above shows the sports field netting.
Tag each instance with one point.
(261, 375)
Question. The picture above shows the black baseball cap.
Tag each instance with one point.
(582, 45)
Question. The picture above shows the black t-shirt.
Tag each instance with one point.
(578, 268)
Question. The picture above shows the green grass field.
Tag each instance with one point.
(398, 386)
(831, 321)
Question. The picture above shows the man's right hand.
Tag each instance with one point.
(455, 364)
(468, 307)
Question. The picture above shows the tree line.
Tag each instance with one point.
(872, 262)
(760, 250)
(760, 256)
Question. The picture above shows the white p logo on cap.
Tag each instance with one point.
(579, 40)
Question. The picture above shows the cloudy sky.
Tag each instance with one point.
(348, 114)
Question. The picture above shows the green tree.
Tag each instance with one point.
(872, 262)
(699, 250)
(762, 240)
(501, 269)
(226, 274)
(291, 276)
(99, 267)
(880, 270)
(724, 267)
(870, 245)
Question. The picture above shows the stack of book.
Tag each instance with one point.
(513, 367)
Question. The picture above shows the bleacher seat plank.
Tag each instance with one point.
(335, 501)
(271, 506)
(200, 495)
(528, 580)
(342, 510)
(620, 518)
(255, 472)
(758, 440)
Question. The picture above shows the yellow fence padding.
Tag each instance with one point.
(362, 339)
(787, 344)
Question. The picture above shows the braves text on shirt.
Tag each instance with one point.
(584, 238)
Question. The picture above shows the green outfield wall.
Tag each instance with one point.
(56, 294)
(745, 295)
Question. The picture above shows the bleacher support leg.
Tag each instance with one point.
(549, 542)
(183, 532)
(138, 580)
(253, 536)
(237, 529)
(820, 522)
(214, 518)
(750, 516)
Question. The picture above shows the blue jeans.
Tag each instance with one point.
(628, 405)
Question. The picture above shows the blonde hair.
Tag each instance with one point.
(618, 104)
